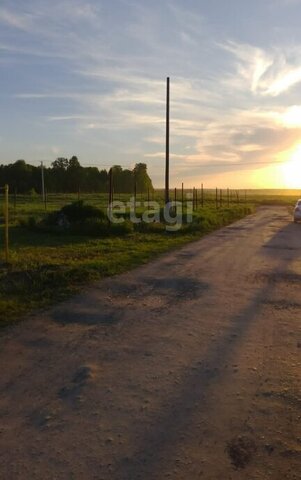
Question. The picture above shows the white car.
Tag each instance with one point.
(297, 211)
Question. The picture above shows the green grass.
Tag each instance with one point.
(46, 268)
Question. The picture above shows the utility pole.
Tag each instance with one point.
(43, 182)
(110, 188)
(6, 200)
(167, 143)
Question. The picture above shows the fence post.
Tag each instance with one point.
(15, 203)
(110, 188)
(6, 190)
(216, 198)
(175, 200)
(202, 195)
(135, 193)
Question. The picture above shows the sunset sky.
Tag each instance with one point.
(87, 78)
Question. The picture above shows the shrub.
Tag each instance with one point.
(99, 227)
(91, 226)
(29, 222)
(78, 211)
(153, 227)
(121, 228)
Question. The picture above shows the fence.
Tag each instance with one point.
(5, 190)
(21, 206)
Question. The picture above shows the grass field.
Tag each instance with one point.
(45, 268)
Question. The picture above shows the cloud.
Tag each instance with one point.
(161, 155)
(228, 98)
(284, 81)
(268, 73)
(15, 20)
(64, 118)
(291, 117)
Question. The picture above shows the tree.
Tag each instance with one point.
(60, 163)
(73, 175)
(68, 175)
(142, 178)
(58, 174)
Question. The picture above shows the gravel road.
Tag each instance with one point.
(185, 368)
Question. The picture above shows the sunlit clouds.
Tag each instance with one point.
(89, 79)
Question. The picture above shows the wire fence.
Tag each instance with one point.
(17, 209)
(22, 205)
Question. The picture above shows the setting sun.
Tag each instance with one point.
(291, 170)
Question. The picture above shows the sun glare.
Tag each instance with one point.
(292, 117)
(291, 170)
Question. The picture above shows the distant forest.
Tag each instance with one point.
(68, 176)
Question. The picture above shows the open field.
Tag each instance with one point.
(23, 205)
(38, 260)
(44, 268)
(186, 368)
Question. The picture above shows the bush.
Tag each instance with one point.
(99, 227)
(121, 228)
(91, 226)
(29, 222)
(73, 218)
(153, 227)
(78, 211)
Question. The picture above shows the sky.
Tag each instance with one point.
(88, 78)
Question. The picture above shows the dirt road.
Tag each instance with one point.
(186, 368)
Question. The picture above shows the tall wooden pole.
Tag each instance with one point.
(110, 187)
(43, 181)
(135, 193)
(175, 200)
(167, 143)
(6, 189)
(135, 189)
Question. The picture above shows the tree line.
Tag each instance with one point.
(68, 176)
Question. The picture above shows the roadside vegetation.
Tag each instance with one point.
(48, 264)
